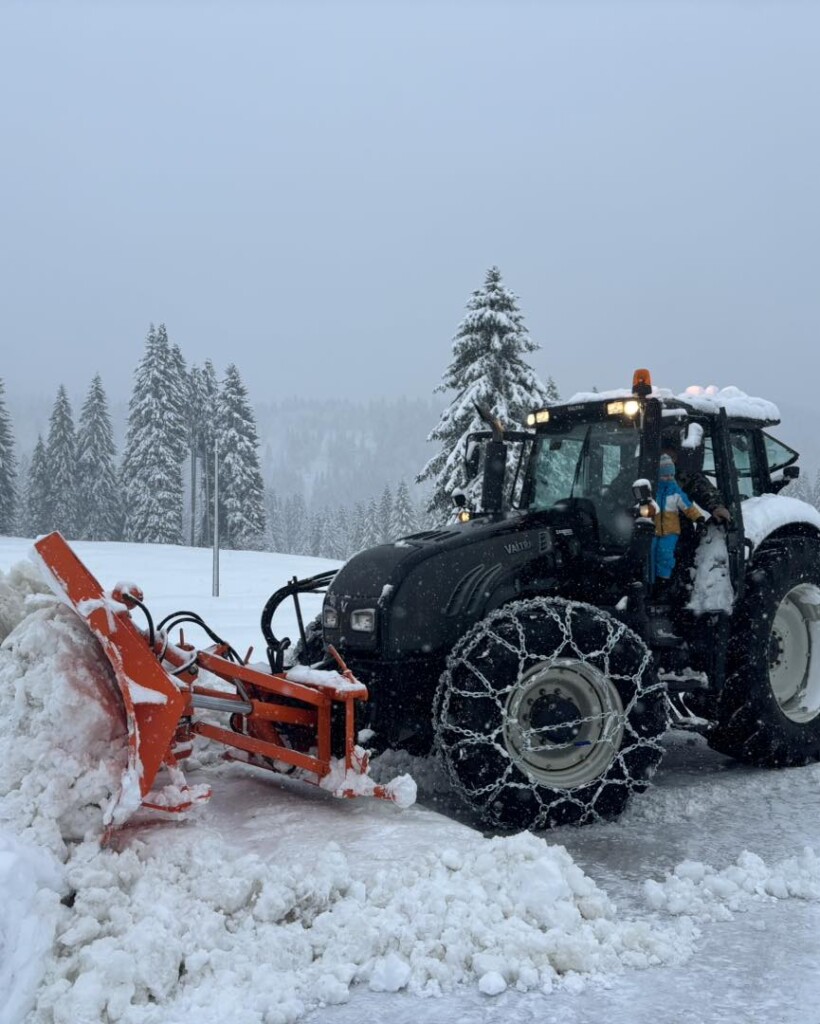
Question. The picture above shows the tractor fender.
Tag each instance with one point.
(771, 516)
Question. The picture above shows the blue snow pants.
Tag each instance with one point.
(663, 556)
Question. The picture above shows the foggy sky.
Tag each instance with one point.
(313, 190)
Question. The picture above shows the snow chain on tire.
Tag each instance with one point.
(602, 713)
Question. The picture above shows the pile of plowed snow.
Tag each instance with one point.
(177, 924)
(63, 742)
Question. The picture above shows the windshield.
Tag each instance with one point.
(596, 461)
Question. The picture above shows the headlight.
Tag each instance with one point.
(631, 407)
(363, 620)
(330, 618)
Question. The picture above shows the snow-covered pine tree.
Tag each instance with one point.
(61, 455)
(38, 513)
(99, 500)
(336, 530)
(356, 530)
(317, 533)
(241, 491)
(8, 471)
(295, 519)
(805, 489)
(151, 472)
(551, 392)
(385, 515)
(489, 366)
(372, 532)
(403, 520)
(275, 520)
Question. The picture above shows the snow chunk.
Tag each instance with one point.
(324, 680)
(357, 782)
(492, 984)
(390, 974)
(712, 587)
(699, 890)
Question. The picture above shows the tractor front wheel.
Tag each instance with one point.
(549, 713)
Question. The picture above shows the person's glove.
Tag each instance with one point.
(721, 515)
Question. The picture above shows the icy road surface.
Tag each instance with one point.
(277, 903)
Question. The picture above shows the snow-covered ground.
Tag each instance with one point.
(276, 902)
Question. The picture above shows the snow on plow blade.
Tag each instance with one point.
(161, 688)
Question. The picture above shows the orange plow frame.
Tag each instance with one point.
(161, 693)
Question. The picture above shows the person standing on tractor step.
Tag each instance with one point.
(697, 485)
(671, 501)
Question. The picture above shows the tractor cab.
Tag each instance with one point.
(588, 471)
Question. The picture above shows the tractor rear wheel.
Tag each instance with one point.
(549, 713)
(769, 711)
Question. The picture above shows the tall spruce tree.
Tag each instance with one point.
(296, 524)
(356, 530)
(8, 471)
(38, 514)
(489, 367)
(61, 455)
(100, 507)
(155, 446)
(241, 491)
(403, 519)
(274, 511)
(385, 515)
(336, 529)
(372, 533)
(317, 533)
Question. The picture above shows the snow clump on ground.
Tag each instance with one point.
(701, 891)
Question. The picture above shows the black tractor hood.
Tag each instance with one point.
(429, 587)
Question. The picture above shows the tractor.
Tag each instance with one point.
(524, 642)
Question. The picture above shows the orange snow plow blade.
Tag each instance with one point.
(161, 688)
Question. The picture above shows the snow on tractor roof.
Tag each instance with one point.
(709, 400)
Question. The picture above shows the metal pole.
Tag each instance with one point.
(215, 588)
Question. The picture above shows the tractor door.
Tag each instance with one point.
(738, 476)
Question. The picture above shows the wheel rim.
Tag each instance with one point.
(794, 675)
(563, 723)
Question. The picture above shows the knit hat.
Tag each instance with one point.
(667, 468)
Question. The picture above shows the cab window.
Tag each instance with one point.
(778, 455)
(747, 467)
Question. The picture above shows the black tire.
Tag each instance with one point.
(313, 650)
(769, 711)
(585, 679)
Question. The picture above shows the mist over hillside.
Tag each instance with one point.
(334, 452)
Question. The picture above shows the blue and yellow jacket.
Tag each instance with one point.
(671, 501)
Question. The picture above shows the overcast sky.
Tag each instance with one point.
(313, 189)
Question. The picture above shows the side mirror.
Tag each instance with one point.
(472, 459)
(786, 476)
(642, 491)
(459, 498)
